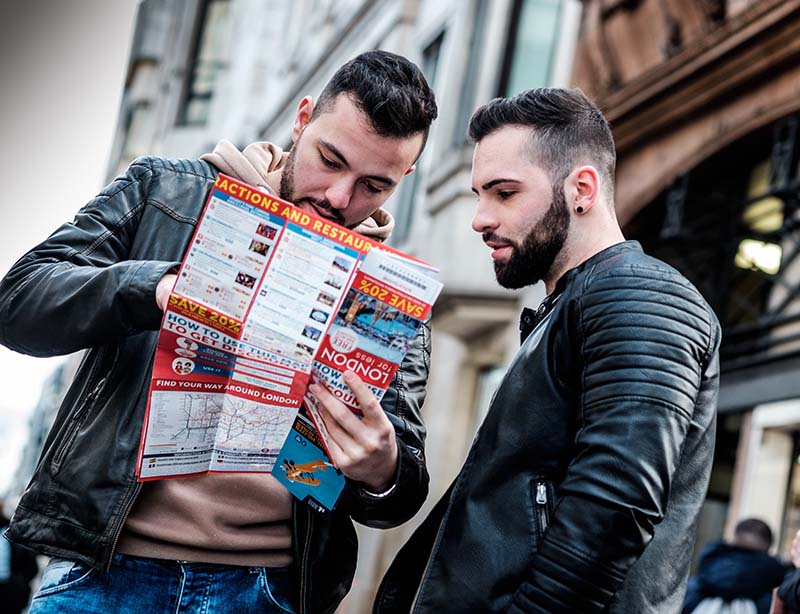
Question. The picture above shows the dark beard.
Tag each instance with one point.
(286, 191)
(532, 261)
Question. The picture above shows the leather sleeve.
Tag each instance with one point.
(644, 337)
(403, 405)
(78, 289)
(789, 591)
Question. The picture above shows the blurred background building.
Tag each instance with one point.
(704, 100)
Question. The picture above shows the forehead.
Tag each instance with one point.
(505, 152)
(344, 125)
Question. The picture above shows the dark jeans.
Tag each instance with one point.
(135, 585)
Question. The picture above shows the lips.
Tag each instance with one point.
(500, 250)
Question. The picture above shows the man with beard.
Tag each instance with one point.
(583, 487)
(220, 542)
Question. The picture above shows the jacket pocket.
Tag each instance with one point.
(61, 575)
(77, 420)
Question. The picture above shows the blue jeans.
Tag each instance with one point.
(136, 585)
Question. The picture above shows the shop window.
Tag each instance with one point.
(762, 215)
(732, 226)
(209, 59)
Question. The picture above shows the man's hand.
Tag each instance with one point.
(164, 289)
(365, 449)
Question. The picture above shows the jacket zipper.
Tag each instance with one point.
(118, 530)
(304, 561)
(69, 438)
(541, 506)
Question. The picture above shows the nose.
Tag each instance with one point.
(338, 194)
(483, 220)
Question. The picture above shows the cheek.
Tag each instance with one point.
(362, 208)
(306, 177)
(523, 227)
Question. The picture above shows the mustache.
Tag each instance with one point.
(322, 206)
(494, 238)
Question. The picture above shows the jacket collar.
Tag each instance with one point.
(530, 317)
(600, 256)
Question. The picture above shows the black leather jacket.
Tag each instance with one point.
(582, 490)
(92, 285)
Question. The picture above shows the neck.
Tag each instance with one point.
(579, 249)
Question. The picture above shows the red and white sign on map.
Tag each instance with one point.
(374, 326)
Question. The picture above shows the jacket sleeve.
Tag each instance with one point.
(644, 341)
(403, 405)
(78, 288)
(789, 591)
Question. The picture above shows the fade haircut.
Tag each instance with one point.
(567, 130)
(389, 89)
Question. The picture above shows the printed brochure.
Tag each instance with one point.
(267, 297)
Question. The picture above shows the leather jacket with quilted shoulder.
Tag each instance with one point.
(91, 285)
(582, 490)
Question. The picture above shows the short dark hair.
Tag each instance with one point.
(568, 129)
(755, 531)
(390, 90)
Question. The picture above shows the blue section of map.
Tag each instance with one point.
(301, 463)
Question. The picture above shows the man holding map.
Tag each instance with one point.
(224, 542)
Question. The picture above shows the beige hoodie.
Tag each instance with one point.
(233, 519)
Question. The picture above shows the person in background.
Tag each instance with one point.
(739, 574)
(216, 543)
(17, 568)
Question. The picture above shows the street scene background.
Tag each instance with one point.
(704, 103)
(61, 74)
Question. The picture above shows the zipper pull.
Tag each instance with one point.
(541, 493)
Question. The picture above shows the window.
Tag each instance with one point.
(408, 191)
(138, 131)
(732, 230)
(466, 102)
(208, 60)
(531, 41)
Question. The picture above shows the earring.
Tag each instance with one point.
(579, 209)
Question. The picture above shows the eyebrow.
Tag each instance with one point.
(340, 156)
(490, 184)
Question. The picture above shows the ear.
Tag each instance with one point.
(410, 169)
(583, 189)
(304, 111)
